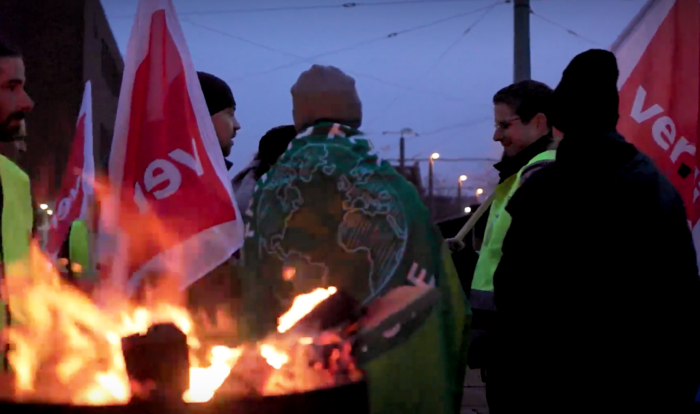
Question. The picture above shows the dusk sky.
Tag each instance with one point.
(431, 77)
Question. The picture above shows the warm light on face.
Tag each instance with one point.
(435, 155)
(462, 178)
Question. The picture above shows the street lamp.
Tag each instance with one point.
(431, 197)
(49, 212)
(479, 191)
(467, 210)
(44, 206)
(462, 179)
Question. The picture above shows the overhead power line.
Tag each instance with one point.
(460, 125)
(455, 136)
(337, 6)
(437, 62)
(310, 60)
(566, 29)
(364, 43)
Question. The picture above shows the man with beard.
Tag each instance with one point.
(523, 129)
(15, 197)
(598, 286)
(222, 108)
(331, 213)
(217, 293)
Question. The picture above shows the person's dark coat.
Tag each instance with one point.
(597, 292)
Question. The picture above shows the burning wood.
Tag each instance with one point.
(158, 362)
(88, 363)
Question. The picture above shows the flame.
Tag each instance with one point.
(205, 381)
(67, 349)
(301, 306)
(288, 273)
(84, 363)
(274, 357)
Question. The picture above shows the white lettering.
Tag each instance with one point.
(664, 132)
(640, 115)
(165, 174)
(682, 145)
(191, 161)
(169, 174)
(64, 206)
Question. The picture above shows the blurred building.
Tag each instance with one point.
(65, 43)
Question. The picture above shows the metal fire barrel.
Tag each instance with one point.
(346, 399)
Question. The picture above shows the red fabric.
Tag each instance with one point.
(181, 201)
(664, 122)
(71, 195)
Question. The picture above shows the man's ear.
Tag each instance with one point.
(541, 120)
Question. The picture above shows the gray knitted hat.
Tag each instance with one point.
(325, 93)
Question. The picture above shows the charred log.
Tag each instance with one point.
(157, 363)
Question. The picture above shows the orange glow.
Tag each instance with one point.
(301, 306)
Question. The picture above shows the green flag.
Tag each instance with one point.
(339, 216)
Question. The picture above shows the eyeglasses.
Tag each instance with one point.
(506, 124)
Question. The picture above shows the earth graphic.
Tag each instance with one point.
(327, 211)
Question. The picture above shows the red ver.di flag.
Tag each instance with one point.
(659, 59)
(78, 178)
(176, 212)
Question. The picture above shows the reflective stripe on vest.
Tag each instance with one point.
(17, 221)
(496, 228)
(78, 249)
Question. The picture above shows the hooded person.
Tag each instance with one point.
(271, 146)
(331, 213)
(222, 108)
(598, 286)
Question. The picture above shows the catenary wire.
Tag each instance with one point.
(353, 72)
(437, 62)
(362, 43)
(566, 29)
(301, 8)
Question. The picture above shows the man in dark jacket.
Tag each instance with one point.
(222, 108)
(598, 284)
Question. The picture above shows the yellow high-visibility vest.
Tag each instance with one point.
(17, 223)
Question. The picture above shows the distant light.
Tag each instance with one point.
(467, 210)
(49, 212)
(43, 206)
(479, 191)
(462, 178)
(435, 155)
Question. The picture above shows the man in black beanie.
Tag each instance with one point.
(222, 108)
(597, 291)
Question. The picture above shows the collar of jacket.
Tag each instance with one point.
(510, 166)
(325, 126)
(608, 149)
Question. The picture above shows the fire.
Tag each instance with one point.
(205, 381)
(301, 306)
(273, 356)
(66, 349)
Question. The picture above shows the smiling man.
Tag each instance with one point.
(15, 196)
(522, 128)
